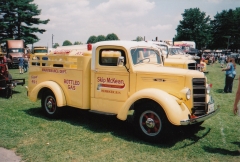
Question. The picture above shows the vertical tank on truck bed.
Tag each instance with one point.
(15, 50)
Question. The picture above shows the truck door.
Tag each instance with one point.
(110, 82)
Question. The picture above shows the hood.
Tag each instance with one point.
(161, 70)
(168, 79)
(185, 56)
(16, 54)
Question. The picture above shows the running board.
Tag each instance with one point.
(100, 112)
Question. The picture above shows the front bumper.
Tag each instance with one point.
(200, 118)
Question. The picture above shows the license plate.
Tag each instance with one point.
(210, 107)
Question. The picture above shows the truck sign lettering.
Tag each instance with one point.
(110, 80)
(61, 71)
(110, 91)
(34, 79)
(110, 83)
(71, 84)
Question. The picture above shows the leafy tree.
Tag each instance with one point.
(18, 20)
(226, 30)
(111, 36)
(77, 43)
(100, 38)
(55, 45)
(67, 43)
(92, 39)
(139, 38)
(195, 26)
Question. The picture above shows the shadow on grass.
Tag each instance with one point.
(219, 90)
(122, 129)
(221, 151)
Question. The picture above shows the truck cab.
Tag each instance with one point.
(175, 57)
(126, 79)
(40, 50)
(15, 50)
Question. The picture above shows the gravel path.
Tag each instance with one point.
(8, 156)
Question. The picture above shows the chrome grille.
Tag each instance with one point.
(192, 66)
(15, 59)
(199, 96)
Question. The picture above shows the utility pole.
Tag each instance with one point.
(228, 37)
(52, 40)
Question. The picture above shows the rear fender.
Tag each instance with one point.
(175, 111)
(54, 87)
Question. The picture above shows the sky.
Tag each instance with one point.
(77, 20)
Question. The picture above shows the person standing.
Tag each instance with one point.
(234, 70)
(20, 65)
(25, 64)
(229, 76)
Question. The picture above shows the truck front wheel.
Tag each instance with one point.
(49, 104)
(151, 122)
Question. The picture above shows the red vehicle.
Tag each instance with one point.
(7, 84)
(15, 50)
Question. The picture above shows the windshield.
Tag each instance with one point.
(164, 48)
(145, 55)
(15, 50)
(40, 51)
(176, 51)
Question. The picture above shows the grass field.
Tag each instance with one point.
(81, 136)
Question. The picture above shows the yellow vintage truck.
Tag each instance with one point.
(178, 60)
(40, 50)
(122, 78)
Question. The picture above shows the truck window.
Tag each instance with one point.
(40, 51)
(176, 51)
(144, 55)
(109, 57)
(15, 50)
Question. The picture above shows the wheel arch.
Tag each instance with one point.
(175, 112)
(39, 90)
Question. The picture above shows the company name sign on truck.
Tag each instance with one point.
(126, 79)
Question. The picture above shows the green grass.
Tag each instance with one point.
(81, 136)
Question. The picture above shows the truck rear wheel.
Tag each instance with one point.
(49, 104)
(150, 122)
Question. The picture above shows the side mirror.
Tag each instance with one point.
(120, 61)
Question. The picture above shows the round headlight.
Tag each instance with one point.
(188, 94)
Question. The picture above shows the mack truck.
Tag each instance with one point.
(126, 79)
(15, 50)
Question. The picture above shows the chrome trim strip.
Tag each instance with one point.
(199, 119)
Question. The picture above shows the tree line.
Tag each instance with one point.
(223, 32)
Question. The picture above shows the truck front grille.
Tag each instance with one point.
(15, 59)
(192, 66)
(199, 96)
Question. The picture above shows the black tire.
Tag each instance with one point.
(8, 92)
(49, 104)
(151, 123)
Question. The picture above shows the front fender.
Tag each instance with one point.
(175, 111)
(54, 87)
